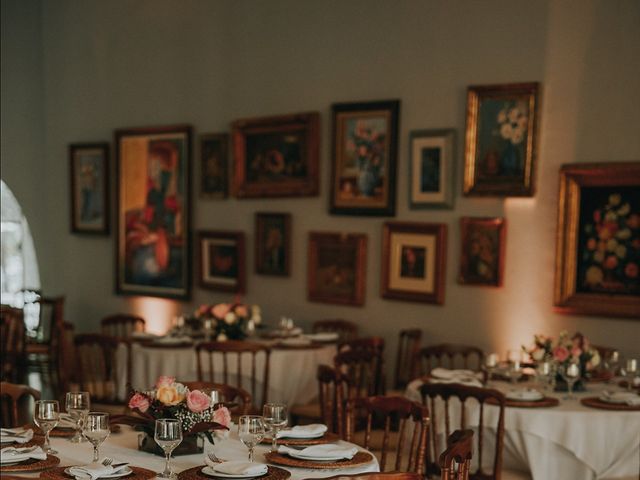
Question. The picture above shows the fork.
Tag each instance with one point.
(212, 456)
(107, 461)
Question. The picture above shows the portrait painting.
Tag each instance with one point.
(482, 256)
(153, 172)
(273, 243)
(365, 143)
(432, 163)
(501, 139)
(222, 261)
(336, 269)
(89, 180)
(214, 161)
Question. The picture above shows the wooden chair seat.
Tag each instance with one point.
(13, 411)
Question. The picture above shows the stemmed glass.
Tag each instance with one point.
(490, 364)
(95, 428)
(544, 372)
(251, 431)
(631, 370)
(275, 417)
(168, 436)
(47, 416)
(78, 404)
(611, 363)
(570, 373)
(514, 356)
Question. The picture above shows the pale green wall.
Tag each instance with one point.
(111, 64)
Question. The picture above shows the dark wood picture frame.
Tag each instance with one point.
(336, 268)
(235, 280)
(483, 246)
(432, 162)
(598, 240)
(277, 156)
(161, 213)
(364, 161)
(88, 188)
(414, 259)
(214, 165)
(273, 252)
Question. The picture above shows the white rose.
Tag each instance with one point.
(506, 131)
(595, 360)
(230, 318)
(514, 113)
(222, 338)
(502, 116)
(538, 354)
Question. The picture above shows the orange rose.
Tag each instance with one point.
(169, 395)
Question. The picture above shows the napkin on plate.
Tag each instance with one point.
(464, 377)
(16, 435)
(320, 452)
(630, 398)
(525, 395)
(95, 470)
(304, 431)
(15, 455)
(240, 467)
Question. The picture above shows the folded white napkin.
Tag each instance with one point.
(95, 470)
(17, 435)
(524, 394)
(629, 398)
(240, 467)
(304, 431)
(326, 451)
(14, 455)
(464, 377)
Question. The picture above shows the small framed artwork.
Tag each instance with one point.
(365, 149)
(598, 248)
(501, 139)
(432, 165)
(222, 261)
(89, 172)
(337, 268)
(214, 165)
(153, 171)
(483, 245)
(273, 243)
(414, 261)
(277, 156)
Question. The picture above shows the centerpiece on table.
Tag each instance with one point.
(229, 321)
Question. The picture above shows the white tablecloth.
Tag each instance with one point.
(567, 441)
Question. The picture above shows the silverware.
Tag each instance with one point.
(107, 461)
(212, 456)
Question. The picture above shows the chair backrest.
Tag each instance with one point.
(408, 347)
(230, 394)
(50, 326)
(455, 461)
(11, 396)
(362, 363)
(412, 426)
(122, 325)
(332, 392)
(379, 476)
(344, 328)
(435, 392)
(11, 341)
(237, 363)
(448, 355)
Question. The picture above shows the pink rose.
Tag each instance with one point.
(140, 402)
(165, 381)
(220, 310)
(198, 401)
(222, 416)
(242, 311)
(560, 353)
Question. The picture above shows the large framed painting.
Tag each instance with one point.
(89, 180)
(414, 261)
(501, 139)
(273, 243)
(365, 149)
(432, 165)
(598, 248)
(214, 165)
(153, 254)
(482, 256)
(277, 156)
(222, 261)
(337, 268)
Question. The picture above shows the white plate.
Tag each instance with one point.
(212, 473)
(301, 437)
(525, 395)
(619, 397)
(300, 456)
(121, 473)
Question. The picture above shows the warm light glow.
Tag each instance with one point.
(157, 312)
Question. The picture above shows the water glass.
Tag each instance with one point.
(544, 372)
(612, 363)
(275, 418)
(514, 372)
(77, 404)
(251, 431)
(570, 373)
(490, 364)
(46, 416)
(168, 436)
(95, 428)
(631, 371)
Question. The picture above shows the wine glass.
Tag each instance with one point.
(77, 404)
(612, 363)
(570, 373)
(631, 370)
(168, 436)
(490, 364)
(544, 371)
(275, 417)
(251, 431)
(514, 372)
(46, 416)
(95, 428)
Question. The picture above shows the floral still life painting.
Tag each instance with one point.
(482, 259)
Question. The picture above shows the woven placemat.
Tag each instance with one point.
(326, 438)
(32, 465)
(360, 458)
(595, 402)
(544, 402)
(273, 473)
(137, 474)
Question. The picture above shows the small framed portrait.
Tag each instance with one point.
(89, 175)
(501, 139)
(337, 268)
(483, 245)
(432, 165)
(414, 261)
(273, 243)
(214, 165)
(365, 149)
(222, 261)
(276, 156)
(598, 247)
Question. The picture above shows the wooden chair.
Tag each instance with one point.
(378, 476)
(445, 392)
(12, 396)
(43, 344)
(448, 356)
(12, 344)
(230, 394)
(122, 325)
(408, 347)
(219, 357)
(455, 461)
(411, 437)
(345, 329)
(362, 363)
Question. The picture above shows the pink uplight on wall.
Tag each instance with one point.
(157, 313)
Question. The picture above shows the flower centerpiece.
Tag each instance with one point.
(229, 321)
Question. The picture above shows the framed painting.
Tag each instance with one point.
(598, 246)
(501, 139)
(337, 268)
(222, 261)
(432, 165)
(89, 180)
(414, 261)
(273, 243)
(214, 165)
(277, 156)
(365, 149)
(482, 256)
(153, 254)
